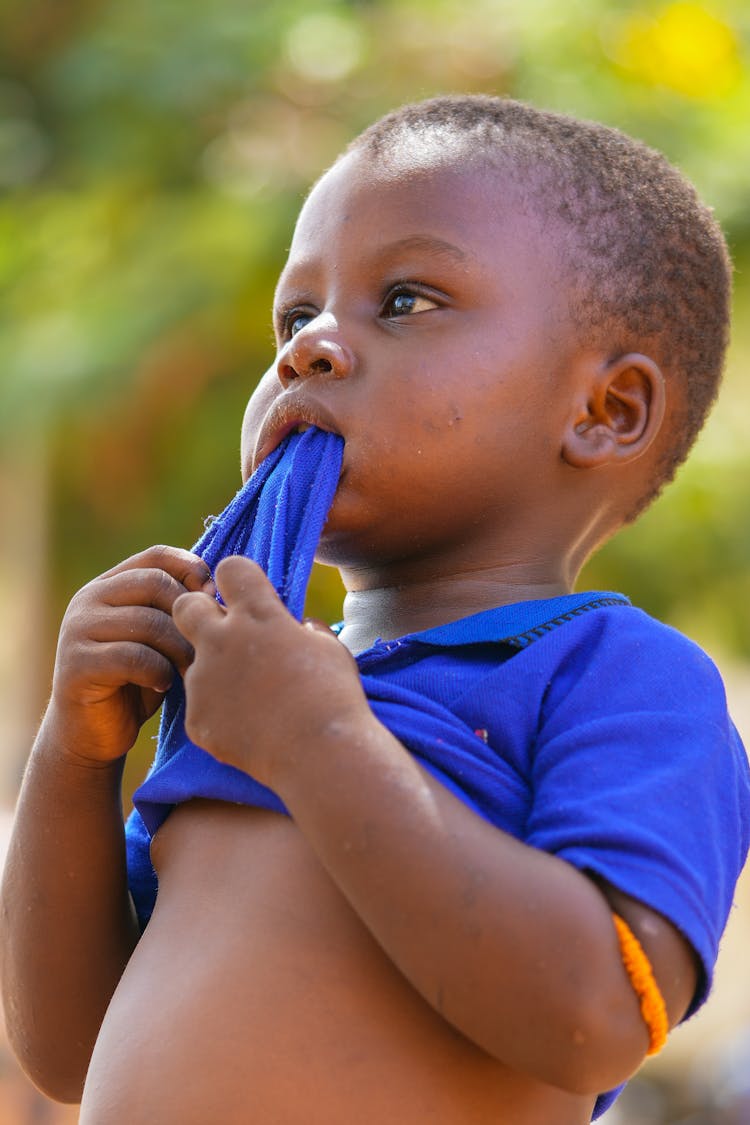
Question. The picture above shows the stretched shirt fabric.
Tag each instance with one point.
(577, 724)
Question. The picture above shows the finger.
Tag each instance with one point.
(125, 662)
(146, 626)
(185, 567)
(242, 583)
(193, 613)
(145, 587)
(315, 625)
(328, 637)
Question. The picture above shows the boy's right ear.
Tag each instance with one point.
(618, 415)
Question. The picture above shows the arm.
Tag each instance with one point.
(68, 923)
(512, 946)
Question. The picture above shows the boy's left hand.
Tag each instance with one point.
(262, 686)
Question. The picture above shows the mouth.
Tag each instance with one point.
(288, 416)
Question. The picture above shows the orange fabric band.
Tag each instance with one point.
(638, 968)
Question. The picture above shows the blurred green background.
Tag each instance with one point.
(152, 160)
(153, 156)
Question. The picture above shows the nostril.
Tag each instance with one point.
(301, 362)
(321, 366)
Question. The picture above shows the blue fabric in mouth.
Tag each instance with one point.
(278, 515)
(276, 519)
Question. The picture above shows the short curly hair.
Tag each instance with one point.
(645, 260)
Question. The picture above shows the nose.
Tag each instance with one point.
(317, 349)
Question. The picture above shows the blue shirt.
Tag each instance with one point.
(577, 724)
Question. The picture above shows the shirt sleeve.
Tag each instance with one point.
(640, 777)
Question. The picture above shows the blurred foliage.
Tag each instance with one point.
(153, 154)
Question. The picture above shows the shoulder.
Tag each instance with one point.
(621, 656)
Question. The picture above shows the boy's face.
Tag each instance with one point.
(420, 316)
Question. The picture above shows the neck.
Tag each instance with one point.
(389, 611)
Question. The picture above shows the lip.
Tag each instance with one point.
(286, 413)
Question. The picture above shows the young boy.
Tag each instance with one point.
(516, 322)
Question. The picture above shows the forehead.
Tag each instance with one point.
(422, 199)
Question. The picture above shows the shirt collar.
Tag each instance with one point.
(518, 624)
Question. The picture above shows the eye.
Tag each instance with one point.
(291, 321)
(297, 321)
(407, 302)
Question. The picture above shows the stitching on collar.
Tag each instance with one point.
(522, 640)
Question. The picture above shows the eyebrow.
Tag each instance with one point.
(416, 243)
(436, 247)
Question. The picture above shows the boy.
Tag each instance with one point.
(516, 322)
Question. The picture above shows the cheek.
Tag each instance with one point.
(255, 411)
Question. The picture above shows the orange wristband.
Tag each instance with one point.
(638, 968)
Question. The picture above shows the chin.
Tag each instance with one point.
(351, 551)
(330, 552)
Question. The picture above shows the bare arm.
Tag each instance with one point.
(68, 924)
(512, 946)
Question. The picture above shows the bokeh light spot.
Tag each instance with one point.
(685, 48)
(324, 47)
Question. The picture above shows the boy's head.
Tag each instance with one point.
(484, 299)
(645, 261)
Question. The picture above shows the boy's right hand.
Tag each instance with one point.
(118, 651)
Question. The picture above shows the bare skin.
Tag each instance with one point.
(330, 1030)
(385, 947)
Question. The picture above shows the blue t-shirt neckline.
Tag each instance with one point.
(516, 624)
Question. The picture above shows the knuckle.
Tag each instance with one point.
(81, 600)
(159, 551)
(157, 557)
(159, 633)
(73, 662)
(139, 658)
(78, 620)
(179, 564)
(164, 560)
(164, 583)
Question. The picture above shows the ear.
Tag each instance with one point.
(619, 414)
